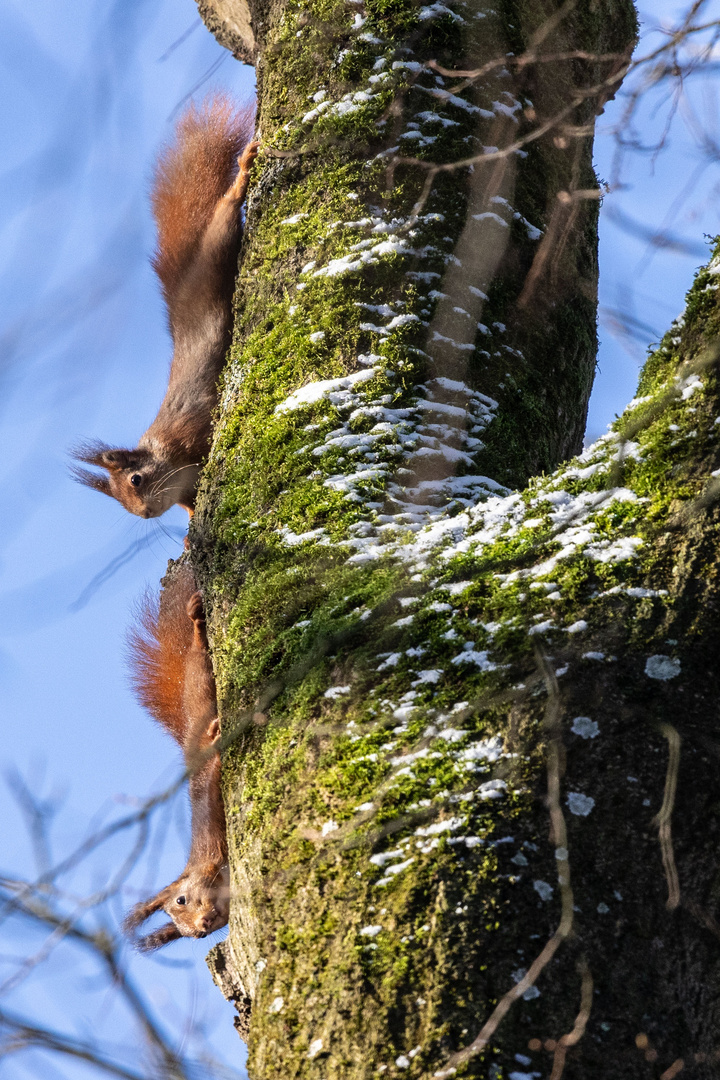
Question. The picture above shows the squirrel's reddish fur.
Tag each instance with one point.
(191, 177)
(173, 678)
(197, 200)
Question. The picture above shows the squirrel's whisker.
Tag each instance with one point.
(163, 479)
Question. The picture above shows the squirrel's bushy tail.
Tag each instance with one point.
(158, 645)
(192, 175)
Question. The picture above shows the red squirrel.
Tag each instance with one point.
(173, 679)
(197, 203)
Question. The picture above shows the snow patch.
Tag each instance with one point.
(580, 804)
(313, 392)
(662, 667)
(585, 727)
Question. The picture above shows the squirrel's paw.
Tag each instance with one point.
(213, 731)
(248, 155)
(195, 608)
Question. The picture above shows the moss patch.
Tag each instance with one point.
(378, 650)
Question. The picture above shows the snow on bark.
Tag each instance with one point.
(470, 730)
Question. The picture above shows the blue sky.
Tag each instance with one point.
(89, 92)
(88, 100)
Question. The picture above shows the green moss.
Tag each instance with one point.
(345, 750)
(296, 616)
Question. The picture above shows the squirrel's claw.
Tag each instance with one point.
(195, 608)
(248, 155)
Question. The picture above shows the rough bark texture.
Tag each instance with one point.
(466, 728)
(235, 24)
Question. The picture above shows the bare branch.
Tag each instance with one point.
(26, 1034)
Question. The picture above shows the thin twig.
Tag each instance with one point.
(48, 1039)
(573, 1037)
(552, 726)
(663, 819)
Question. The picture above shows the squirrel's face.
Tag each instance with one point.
(148, 489)
(199, 901)
(145, 485)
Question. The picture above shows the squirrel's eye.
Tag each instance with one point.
(180, 900)
(136, 479)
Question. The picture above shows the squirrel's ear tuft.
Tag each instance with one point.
(141, 912)
(92, 480)
(90, 453)
(107, 457)
(166, 933)
(113, 460)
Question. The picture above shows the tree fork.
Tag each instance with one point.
(412, 338)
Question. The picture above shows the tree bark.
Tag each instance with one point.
(471, 734)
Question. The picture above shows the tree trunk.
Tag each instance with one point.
(470, 734)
